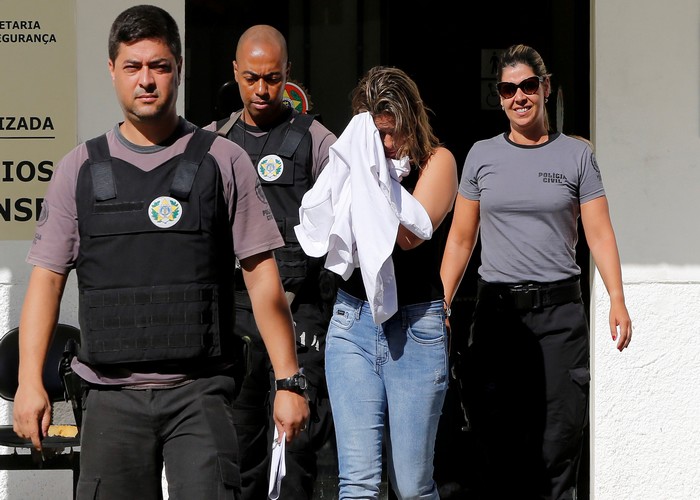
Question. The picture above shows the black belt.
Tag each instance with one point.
(527, 296)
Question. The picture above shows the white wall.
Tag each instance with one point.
(646, 128)
(98, 111)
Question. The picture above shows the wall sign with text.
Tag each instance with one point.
(490, 99)
(38, 106)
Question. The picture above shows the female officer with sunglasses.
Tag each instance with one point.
(529, 350)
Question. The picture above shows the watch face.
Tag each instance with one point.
(301, 381)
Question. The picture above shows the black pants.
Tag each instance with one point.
(128, 435)
(528, 381)
(253, 412)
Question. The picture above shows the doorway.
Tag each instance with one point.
(333, 42)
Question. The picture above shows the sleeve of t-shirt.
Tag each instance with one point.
(322, 139)
(55, 244)
(468, 185)
(211, 127)
(253, 225)
(591, 182)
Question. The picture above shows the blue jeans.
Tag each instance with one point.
(389, 379)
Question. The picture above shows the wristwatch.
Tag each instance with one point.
(295, 383)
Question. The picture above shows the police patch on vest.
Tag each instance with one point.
(270, 168)
(165, 211)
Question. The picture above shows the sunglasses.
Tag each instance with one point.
(529, 86)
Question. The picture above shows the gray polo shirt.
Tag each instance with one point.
(530, 200)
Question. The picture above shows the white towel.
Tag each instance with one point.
(278, 467)
(353, 212)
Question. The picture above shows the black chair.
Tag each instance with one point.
(59, 452)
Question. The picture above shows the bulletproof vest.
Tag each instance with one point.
(156, 263)
(282, 159)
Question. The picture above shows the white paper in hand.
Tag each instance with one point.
(278, 468)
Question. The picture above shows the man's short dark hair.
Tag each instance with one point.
(143, 22)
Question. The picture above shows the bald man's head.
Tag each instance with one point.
(261, 34)
(261, 69)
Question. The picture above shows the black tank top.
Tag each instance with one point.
(417, 270)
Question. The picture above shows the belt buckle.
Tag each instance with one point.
(527, 296)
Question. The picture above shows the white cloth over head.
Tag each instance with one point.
(353, 212)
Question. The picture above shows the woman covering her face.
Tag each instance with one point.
(387, 376)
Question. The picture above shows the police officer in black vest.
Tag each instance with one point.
(152, 215)
(288, 149)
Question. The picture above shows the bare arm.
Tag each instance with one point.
(435, 190)
(32, 408)
(460, 245)
(601, 241)
(274, 320)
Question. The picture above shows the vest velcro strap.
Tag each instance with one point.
(111, 208)
(189, 163)
(101, 168)
(295, 133)
(173, 340)
(286, 229)
(291, 262)
(183, 180)
(149, 296)
(145, 321)
(224, 125)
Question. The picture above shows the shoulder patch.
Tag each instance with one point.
(595, 163)
(44, 215)
(259, 190)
